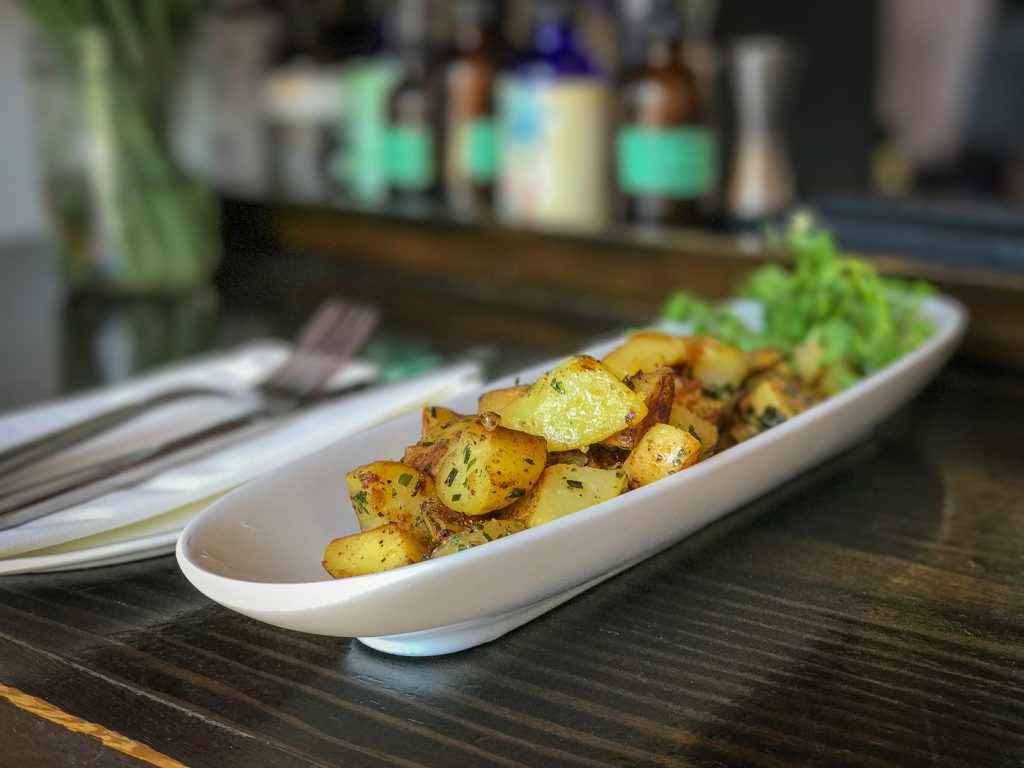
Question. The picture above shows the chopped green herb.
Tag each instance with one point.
(404, 479)
(471, 463)
(433, 412)
(427, 443)
(515, 493)
(693, 432)
(557, 386)
(486, 536)
(451, 477)
(859, 318)
(528, 461)
(465, 456)
(426, 467)
(456, 496)
(359, 497)
(574, 483)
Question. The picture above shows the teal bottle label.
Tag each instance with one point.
(410, 157)
(666, 162)
(363, 164)
(480, 150)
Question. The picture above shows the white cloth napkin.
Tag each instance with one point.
(142, 508)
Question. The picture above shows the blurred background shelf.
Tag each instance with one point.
(491, 283)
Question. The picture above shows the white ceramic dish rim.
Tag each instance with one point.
(266, 597)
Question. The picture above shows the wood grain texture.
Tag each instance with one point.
(866, 614)
(42, 710)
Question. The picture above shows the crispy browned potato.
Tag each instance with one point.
(663, 451)
(577, 457)
(564, 489)
(719, 367)
(762, 359)
(690, 394)
(578, 403)
(647, 351)
(488, 466)
(496, 399)
(769, 399)
(428, 452)
(435, 415)
(606, 457)
(658, 390)
(700, 428)
(479, 532)
(381, 549)
(442, 522)
(389, 492)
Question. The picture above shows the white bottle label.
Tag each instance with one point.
(555, 152)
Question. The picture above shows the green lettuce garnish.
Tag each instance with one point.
(861, 320)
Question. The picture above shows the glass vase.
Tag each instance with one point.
(125, 217)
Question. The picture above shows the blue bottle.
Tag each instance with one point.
(555, 113)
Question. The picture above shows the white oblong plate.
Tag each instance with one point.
(258, 550)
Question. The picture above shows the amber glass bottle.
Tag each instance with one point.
(413, 149)
(665, 156)
(470, 132)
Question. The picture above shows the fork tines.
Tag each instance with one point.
(330, 338)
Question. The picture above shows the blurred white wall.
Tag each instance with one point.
(21, 215)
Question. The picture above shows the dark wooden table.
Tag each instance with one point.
(869, 614)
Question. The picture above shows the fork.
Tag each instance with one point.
(325, 343)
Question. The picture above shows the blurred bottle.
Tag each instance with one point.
(761, 180)
(555, 118)
(413, 149)
(471, 135)
(665, 154)
(304, 113)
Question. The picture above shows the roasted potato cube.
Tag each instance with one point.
(700, 428)
(763, 359)
(428, 452)
(496, 399)
(479, 533)
(768, 402)
(706, 404)
(564, 489)
(647, 351)
(442, 522)
(389, 492)
(658, 388)
(663, 451)
(425, 455)
(719, 366)
(486, 469)
(578, 403)
(434, 415)
(836, 377)
(807, 361)
(381, 549)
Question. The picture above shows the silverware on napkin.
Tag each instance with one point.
(323, 346)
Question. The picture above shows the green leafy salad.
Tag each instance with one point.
(830, 311)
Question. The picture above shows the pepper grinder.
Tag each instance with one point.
(761, 181)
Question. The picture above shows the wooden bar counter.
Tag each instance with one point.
(870, 613)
